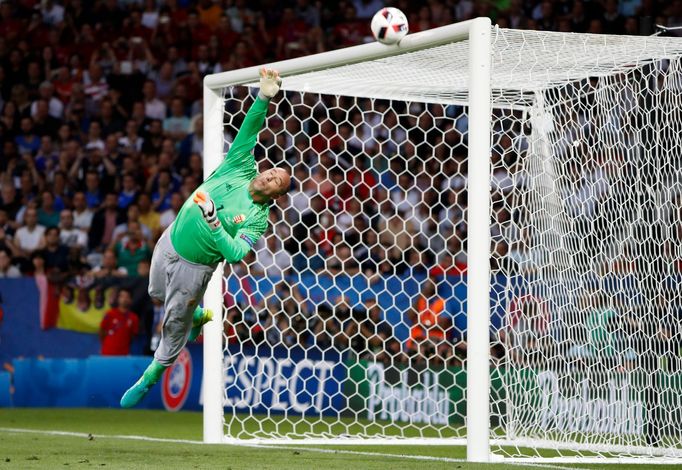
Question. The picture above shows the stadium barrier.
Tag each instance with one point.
(5, 391)
(99, 382)
(262, 380)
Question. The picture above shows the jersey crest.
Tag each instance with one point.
(238, 219)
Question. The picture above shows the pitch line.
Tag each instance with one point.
(99, 436)
(404, 456)
(260, 446)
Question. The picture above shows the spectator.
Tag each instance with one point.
(132, 249)
(367, 8)
(162, 195)
(54, 106)
(56, 254)
(9, 120)
(43, 123)
(82, 215)
(27, 141)
(168, 216)
(164, 80)
(53, 13)
(371, 335)
(109, 267)
(47, 215)
(351, 29)
(131, 142)
(29, 237)
(6, 233)
(154, 137)
(148, 217)
(430, 325)
(129, 189)
(150, 15)
(154, 108)
(47, 157)
(110, 118)
(93, 191)
(119, 326)
(96, 86)
(104, 221)
(121, 230)
(7, 270)
(193, 143)
(10, 201)
(176, 126)
(63, 84)
(94, 137)
(70, 235)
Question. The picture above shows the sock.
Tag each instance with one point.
(197, 315)
(153, 372)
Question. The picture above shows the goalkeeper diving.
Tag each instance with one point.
(222, 220)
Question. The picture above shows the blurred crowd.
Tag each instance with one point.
(101, 138)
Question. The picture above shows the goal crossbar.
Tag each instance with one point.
(349, 55)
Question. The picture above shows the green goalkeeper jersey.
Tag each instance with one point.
(242, 220)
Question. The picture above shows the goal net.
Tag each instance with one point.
(351, 321)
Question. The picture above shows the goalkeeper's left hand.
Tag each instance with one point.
(269, 82)
(205, 203)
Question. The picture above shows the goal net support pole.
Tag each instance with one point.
(478, 32)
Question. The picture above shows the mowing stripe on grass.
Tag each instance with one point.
(259, 446)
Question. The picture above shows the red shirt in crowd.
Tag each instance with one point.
(117, 331)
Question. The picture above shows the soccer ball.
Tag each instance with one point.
(389, 25)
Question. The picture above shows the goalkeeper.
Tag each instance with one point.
(223, 220)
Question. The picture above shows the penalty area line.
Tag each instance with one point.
(133, 437)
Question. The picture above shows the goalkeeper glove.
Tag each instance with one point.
(205, 203)
(269, 82)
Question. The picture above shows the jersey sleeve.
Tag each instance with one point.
(234, 249)
(240, 151)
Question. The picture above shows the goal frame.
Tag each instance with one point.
(478, 32)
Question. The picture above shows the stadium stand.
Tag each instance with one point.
(101, 133)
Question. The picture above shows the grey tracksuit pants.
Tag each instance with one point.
(180, 285)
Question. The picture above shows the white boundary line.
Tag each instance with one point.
(261, 446)
(99, 436)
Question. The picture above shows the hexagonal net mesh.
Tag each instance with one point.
(348, 320)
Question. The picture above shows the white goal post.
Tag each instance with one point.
(565, 383)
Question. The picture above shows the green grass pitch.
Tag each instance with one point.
(89, 438)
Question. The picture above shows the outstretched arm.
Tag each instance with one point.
(243, 144)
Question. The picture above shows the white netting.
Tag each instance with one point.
(349, 319)
(593, 332)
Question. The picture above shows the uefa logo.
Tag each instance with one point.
(176, 382)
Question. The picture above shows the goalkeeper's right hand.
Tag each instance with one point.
(205, 203)
(269, 82)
